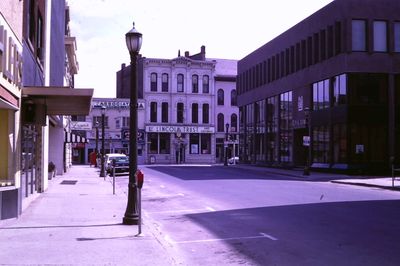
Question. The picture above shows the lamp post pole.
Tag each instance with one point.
(306, 170)
(226, 144)
(103, 113)
(97, 140)
(133, 42)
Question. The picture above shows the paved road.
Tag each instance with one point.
(218, 215)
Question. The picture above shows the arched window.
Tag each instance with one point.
(180, 83)
(234, 123)
(153, 82)
(206, 88)
(233, 98)
(195, 84)
(220, 97)
(220, 122)
(164, 84)
(195, 113)
(206, 115)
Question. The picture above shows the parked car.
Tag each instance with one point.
(233, 160)
(121, 161)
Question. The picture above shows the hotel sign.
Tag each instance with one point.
(183, 129)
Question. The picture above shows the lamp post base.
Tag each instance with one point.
(131, 216)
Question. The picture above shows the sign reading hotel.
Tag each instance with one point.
(183, 129)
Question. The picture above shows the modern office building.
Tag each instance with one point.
(331, 82)
(182, 98)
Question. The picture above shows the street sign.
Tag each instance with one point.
(306, 140)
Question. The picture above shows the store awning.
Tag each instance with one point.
(60, 100)
(73, 138)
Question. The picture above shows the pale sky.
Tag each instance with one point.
(230, 29)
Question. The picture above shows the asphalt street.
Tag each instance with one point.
(209, 215)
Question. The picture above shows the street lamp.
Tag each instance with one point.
(103, 113)
(133, 42)
(96, 126)
(307, 141)
(226, 144)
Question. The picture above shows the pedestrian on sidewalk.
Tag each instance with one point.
(92, 159)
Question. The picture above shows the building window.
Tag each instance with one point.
(152, 140)
(205, 143)
(339, 143)
(286, 129)
(380, 36)
(153, 82)
(206, 113)
(195, 84)
(164, 84)
(321, 95)
(233, 98)
(206, 86)
(164, 112)
(179, 113)
(220, 97)
(220, 122)
(272, 129)
(234, 123)
(359, 35)
(164, 143)
(397, 37)
(153, 112)
(340, 89)
(118, 123)
(195, 113)
(194, 143)
(180, 83)
(320, 142)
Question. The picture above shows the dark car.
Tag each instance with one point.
(121, 164)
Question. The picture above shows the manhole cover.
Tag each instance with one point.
(69, 182)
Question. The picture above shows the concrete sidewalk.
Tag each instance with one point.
(78, 221)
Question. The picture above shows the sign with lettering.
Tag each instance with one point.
(81, 125)
(116, 104)
(182, 129)
(10, 55)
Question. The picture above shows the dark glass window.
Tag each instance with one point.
(220, 97)
(195, 113)
(220, 122)
(359, 35)
(397, 37)
(206, 85)
(153, 82)
(205, 143)
(364, 88)
(179, 113)
(164, 143)
(152, 140)
(195, 84)
(180, 86)
(272, 129)
(286, 128)
(164, 84)
(321, 96)
(320, 142)
(339, 143)
(380, 36)
(206, 113)
(340, 89)
(153, 112)
(164, 112)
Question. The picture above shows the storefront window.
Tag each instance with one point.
(321, 144)
(272, 129)
(205, 143)
(286, 135)
(340, 89)
(164, 143)
(152, 140)
(339, 143)
(194, 143)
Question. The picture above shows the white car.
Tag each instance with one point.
(233, 160)
(109, 158)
